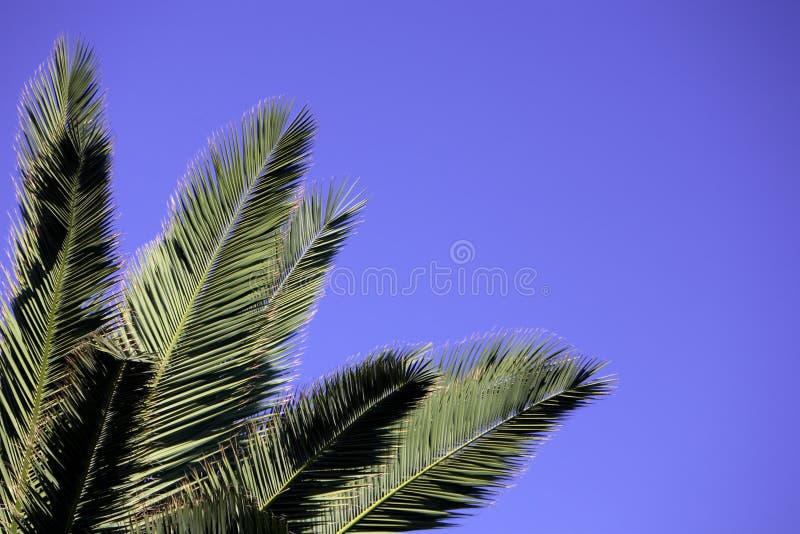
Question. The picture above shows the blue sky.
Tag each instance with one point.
(637, 159)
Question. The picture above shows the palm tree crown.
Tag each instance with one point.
(158, 399)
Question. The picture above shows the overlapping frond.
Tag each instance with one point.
(317, 231)
(299, 460)
(501, 397)
(168, 411)
(64, 268)
(310, 241)
(193, 296)
(103, 481)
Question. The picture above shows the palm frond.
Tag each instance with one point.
(162, 405)
(103, 480)
(329, 433)
(318, 227)
(317, 231)
(502, 397)
(192, 299)
(64, 268)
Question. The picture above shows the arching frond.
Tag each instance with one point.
(193, 300)
(64, 267)
(329, 433)
(502, 396)
(164, 407)
(103, 482)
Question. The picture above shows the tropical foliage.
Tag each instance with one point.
(158, 398)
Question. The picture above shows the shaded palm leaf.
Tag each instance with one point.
(64, 265)
(328, 434)
(103, 482)
(317, 231)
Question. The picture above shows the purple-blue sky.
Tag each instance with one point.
(642, 157)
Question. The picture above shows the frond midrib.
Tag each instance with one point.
(62, 271)
(240, 205)
(319, 231)
(209, 267)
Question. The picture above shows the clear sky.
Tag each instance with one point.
(641, 157)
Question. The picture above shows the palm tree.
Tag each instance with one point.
(158, 399)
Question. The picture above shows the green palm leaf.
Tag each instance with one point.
(317, 229)
(316, 232)
(502, 396)
(64, 267)
(191, 298)
(328, 434)
(120, 385)
(163, 406)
